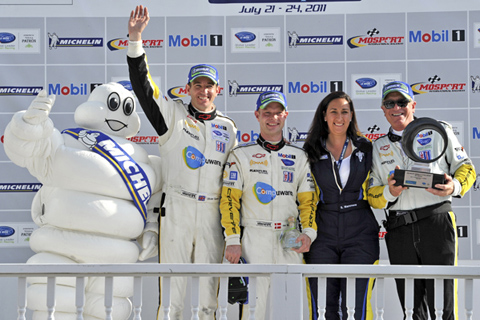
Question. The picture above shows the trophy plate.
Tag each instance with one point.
(418, 179)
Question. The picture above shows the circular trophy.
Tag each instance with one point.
(424, 140)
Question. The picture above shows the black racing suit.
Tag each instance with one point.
(347, 230)
(421, 227)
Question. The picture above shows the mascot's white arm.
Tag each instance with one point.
(148, 240)
(31, 138)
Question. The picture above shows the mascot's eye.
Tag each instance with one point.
(128, 106)
(113, 101)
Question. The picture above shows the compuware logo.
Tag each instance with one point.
(264, 193)
(193, 158)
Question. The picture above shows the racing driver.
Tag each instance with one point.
(194, 140)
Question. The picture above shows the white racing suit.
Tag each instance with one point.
(194, 148)
(421, 227)
(261, 188)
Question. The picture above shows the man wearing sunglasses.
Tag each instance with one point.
(421, 226)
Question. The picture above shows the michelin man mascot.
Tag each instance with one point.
(99, 190)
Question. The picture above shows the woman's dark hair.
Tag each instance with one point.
(319, 129)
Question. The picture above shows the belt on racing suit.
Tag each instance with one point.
(274, 225)
(344, 206)
(398, 218)
(196, 196)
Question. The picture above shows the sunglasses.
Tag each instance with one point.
(389, 104)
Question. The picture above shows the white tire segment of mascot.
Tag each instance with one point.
(95, 196)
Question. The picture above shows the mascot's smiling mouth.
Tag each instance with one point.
(115, 125)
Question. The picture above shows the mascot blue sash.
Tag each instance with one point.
(132, 174)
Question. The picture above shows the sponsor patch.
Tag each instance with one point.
(426, 154)
(287, 176)
(287, 162)
(220, 146)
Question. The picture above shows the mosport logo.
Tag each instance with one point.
(182, 92)
(374, 37)
(434, 85)
(144, 139)
(121, 43)
(372, 132)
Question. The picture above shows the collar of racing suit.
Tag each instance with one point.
(268, 146)
(201, 116)
(394, 137)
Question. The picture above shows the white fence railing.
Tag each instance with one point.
(287, 285)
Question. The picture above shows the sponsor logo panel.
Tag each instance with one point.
(294, 40)
(20, 187)
(369, 86)
(435, 84)
(195, 41)
(375, 38)
(16, 234)
(235, 89)
(122, 43)
(19, 41)
(55, 42)
(251, 40)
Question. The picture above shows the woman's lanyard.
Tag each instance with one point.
(342, 154)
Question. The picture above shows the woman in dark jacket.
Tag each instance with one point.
(340, 159)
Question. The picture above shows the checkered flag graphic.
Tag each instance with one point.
(434, 79)
(373, 32)
(373, 128)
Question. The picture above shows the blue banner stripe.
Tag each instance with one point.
(141, 205)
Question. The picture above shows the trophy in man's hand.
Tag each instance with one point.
(424, 141)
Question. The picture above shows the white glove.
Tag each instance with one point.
(39, 109)
(149, 243)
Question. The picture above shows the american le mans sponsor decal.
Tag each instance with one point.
(287, 176)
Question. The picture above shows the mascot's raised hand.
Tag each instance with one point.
(100, 191)
(39, 108)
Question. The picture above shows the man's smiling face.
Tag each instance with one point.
(399, 117)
